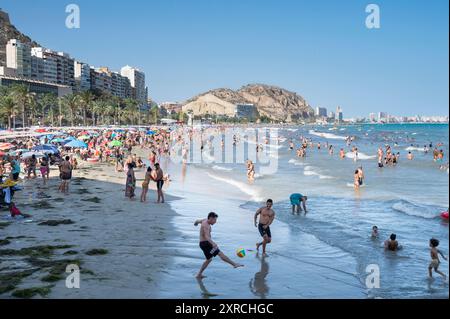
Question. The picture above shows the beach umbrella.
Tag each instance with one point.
(30, 154)
(41, 130)
(115, 143)
(69, 139)
(16, 152)
(142, 129)
(47, 149)
(76, 144)
(83, 137)
(151, 132)
(6, 146)
(57, 140)
(2, 153)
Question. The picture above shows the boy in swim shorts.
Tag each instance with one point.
(435, 262)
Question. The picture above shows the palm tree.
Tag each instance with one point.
(48, 103)
(8, 107)
(21, 95)
(132, 109)
(86, 103)
(98, 108)
(72, 103)
(155, 113)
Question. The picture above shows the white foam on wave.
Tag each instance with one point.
(361, 156)
(296, 162)
(292, 129)
(413, 210)
(245, 188)
(413, 148)
(313, 171)
(221, 168)
(327, 135)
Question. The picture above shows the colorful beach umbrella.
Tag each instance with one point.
(30, 154)
(16, 152)
(57, 140)
(46, 149)
(6, 146)
(76, 144)
(115, 143)
(83, 137)
(151, 132)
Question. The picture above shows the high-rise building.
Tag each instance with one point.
(382, 117)
(372, 117)
(112, 82)
(82, 73)
(137, 81)
(321, 112)
(60, 62)
(339, 114)
(44, 67)
(331, 115)
(18, 57)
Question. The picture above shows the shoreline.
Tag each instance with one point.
(127, 269)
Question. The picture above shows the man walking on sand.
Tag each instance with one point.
(266, 218)
(208, 246)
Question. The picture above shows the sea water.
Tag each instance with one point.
(325, 254)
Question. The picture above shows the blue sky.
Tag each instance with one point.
(320, 49)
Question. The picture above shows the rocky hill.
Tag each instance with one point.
(271, 101)
(7, 32)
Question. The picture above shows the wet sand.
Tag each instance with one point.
(100, 217)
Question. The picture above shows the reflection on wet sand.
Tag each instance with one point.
(205, 293)
(258, 284)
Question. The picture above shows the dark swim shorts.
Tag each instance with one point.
(209, 250)
(159, 184)
(264, 231)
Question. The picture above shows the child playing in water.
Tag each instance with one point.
(375, 232)
(434, 252)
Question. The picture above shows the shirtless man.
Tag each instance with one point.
(158, 177)
(392, 243)
(65, 170)
(208, 246)
(266, 218)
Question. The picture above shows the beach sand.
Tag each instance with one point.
(133, 234)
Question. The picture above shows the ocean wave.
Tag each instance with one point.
(313, 171)
(413, 148)
(361, 156)
(327, 135)
(221, 168)
(408, 208)
(296, 162)
(245, 188)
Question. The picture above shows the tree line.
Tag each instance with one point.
(21, 108)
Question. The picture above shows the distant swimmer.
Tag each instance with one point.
(297, 200)
(342, 153)
(375, 233)
(208, 246)
(331, 150)
(266, 218)
(250, 170)
(392, 243)
(435, 262)
(291, 145)
(410, 156)
(356, 179)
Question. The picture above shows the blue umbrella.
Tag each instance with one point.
(76, 144)
(57, 140)
(46, 148)
(151, 132)
(69, 139)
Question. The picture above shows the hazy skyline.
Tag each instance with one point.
(322, 50)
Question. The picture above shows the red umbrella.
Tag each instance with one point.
(2, 153)
(6, 146)
(41, 130)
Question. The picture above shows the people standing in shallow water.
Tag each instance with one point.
(208, 246)
(158, 177)
(266, 218)
(297, 200)
(392, 243)
(435, 262)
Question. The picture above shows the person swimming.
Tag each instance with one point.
(392, 243)
(375, 233)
